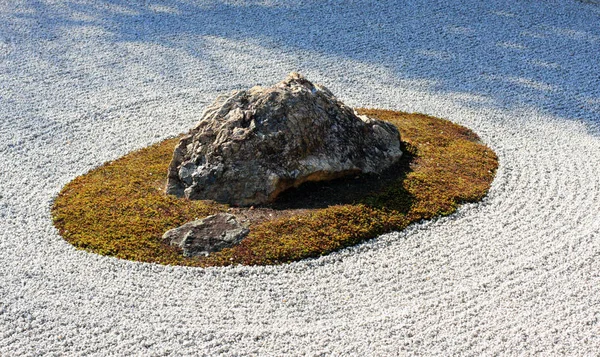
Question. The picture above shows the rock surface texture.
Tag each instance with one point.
(251, 145)
(211, 234)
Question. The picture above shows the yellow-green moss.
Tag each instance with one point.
(119, 209)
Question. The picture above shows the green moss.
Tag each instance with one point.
(119, 209)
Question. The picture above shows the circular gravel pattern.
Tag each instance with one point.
(84, 82)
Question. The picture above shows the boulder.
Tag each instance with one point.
(251, 145)
(204, 236)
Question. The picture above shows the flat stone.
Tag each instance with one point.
(208, 235)
(251, 145)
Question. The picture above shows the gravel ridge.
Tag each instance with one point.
(85, 82)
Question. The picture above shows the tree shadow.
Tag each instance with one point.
(477, 55)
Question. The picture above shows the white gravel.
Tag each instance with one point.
(84, 82)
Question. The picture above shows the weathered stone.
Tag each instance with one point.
(253, 144)
(211, 234)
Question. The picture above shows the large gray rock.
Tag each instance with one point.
(253, 144)
(211, 234)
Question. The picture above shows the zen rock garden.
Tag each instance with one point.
(272, 175)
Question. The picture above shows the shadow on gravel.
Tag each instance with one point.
(467, 49)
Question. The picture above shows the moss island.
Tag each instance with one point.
(120, 209)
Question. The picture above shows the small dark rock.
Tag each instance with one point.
(204, 236)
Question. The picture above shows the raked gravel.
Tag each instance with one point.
(87, 81)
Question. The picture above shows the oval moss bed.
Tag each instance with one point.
(120, 209)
